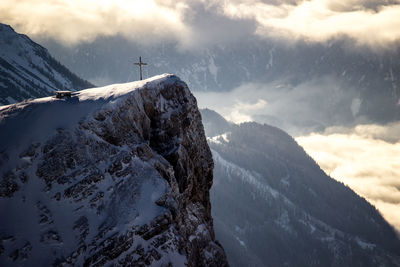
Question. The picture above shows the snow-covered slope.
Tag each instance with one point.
(115, 175)
(27, 70)
(274, 206)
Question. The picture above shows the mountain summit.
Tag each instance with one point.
(27, 70)
(118, 175)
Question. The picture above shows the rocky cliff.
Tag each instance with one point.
(115, 175)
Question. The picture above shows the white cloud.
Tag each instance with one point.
(75, 21)
(296, 109)
(242, 111)
(239, 105)
(389, 132)
(321, 20)
(370, 166)
(199, 22)
(365, 157)
(390, 212)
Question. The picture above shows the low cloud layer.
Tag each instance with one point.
(194, 23)
(389, 133)
(362, 159)
(300, 109)
(365, 156)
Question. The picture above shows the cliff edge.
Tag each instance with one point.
(114, 175)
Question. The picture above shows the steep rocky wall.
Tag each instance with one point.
(126, 183)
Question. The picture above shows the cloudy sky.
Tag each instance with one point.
(194, 22)
(277, 103)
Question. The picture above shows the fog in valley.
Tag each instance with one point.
(324, 119)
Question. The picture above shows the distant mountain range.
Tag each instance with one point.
(273, 206)
(364, 84)
(27, 70)
(346, 85)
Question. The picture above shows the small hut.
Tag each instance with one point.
(63, 94)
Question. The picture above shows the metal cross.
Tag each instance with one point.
(140, 64)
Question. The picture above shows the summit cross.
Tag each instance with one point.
(140, 64)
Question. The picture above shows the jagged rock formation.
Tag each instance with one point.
(27, 70)
(274, 206)
(116, 175)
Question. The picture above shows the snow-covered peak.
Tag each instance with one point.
(10, 41)
(27, 70)
(35, 120)
(5, 31)
(118, 90)
(118, 175)
(106, 93)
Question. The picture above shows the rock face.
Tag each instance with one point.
(27, 70)
(274, 206)
(116, 175)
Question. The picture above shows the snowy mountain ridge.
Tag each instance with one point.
(118, 175)
(108, 92)
(274, 206)
(27, 70)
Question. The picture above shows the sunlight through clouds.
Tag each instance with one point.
(235, 106)
(240, 109)
(321, 20)
(76, 21)
(193, 23)
(371, 167)
(366, 157)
